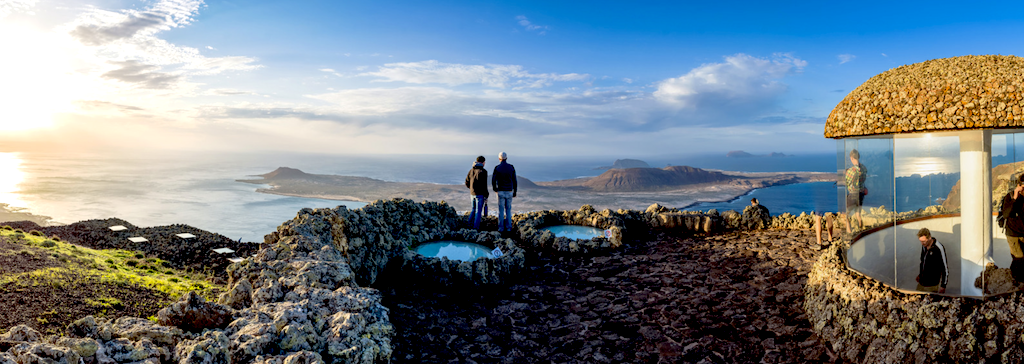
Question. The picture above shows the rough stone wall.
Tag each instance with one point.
(942, 94)
(865, 321)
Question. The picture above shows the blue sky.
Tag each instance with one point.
(628, 79)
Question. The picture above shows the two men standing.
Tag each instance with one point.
(503, 181)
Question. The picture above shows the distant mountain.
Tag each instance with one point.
(286, 173)
(742, 154)
(738, 154)
(626, 163)
(651, 179)
(523, 183)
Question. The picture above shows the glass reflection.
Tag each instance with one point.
(1008, 229)
(867, 196)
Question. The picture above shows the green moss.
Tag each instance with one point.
(115, 267)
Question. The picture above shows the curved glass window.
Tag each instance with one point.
(921, 207)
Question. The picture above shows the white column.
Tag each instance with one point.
(975, 207)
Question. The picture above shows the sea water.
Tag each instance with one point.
(200, 189)
(794, 198)
(454, 250)
(575, 231)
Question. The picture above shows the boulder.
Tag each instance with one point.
(212, 347)
(193, 313)
(22, 333)
(44, 353)
(756, 218)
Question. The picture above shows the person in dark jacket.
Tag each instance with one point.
(934, 273)
(504, 183)
(1011, 216)
(476, 181)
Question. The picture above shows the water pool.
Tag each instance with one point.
(575, 231)
(454, 250)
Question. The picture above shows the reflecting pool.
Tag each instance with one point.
(454, 250)
(575, 231)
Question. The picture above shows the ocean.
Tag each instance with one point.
(201, 189)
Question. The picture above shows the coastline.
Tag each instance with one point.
(553, 195)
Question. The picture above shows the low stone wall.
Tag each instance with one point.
(866, 321)
(529, 225)
(458, 273)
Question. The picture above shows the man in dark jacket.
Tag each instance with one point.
(1012, 218)
(934, 273)
(504, 183)
(476, 180)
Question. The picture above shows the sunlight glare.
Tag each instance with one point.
(37, 77)
(11, 177)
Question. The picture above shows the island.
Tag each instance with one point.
(632, 188)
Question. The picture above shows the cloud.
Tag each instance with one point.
(142, 75)
(742, 82)
(526, 24)
(228, 92)
(104, 105)
(211, 48)
(885, 55)
(331, 71)
(843, 58)
(129, 40)
(8, 7)
(499, 76)
(101, 27)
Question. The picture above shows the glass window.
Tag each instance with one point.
(867, 198)
(927, 177)
(1007, 163)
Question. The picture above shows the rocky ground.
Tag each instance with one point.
(734, 298)
(48, 304)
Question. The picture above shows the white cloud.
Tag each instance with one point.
(129, 40)
(843, 58)
(526, 24)
(7, 7)
(211, 48)
(452, 74)
(331, 71)
(627, 80)
(885, 55)
(99, 26)
(741, 79)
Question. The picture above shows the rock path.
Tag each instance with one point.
(734, 298)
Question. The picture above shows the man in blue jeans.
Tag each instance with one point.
(503, 180)
(476, 180)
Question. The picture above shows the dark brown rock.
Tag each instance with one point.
(192, 313)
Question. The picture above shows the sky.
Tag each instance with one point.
(539, 78)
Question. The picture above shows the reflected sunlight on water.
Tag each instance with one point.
(11, 177)
(926, 165)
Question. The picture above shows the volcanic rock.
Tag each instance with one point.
(193, 313)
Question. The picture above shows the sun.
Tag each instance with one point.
(37, 77)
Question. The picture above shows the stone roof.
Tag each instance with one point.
(967, 92)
